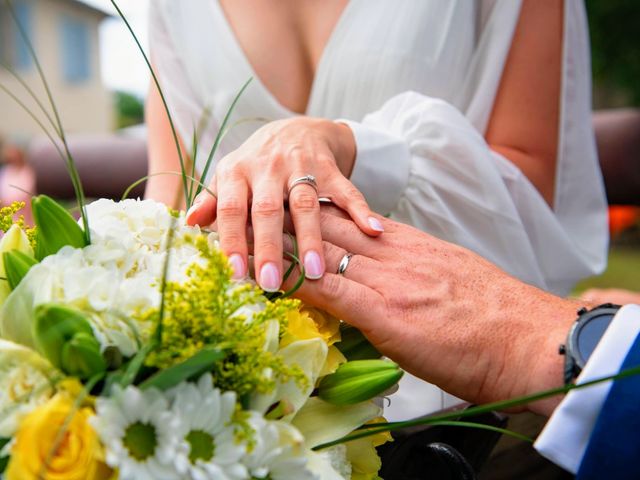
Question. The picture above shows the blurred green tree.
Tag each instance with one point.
(615, 43)
(129, 109)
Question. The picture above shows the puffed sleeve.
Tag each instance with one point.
(423, 161)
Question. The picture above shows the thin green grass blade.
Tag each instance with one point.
(65, 426)
(135, 364)
(32, 94)
(71, 166)
(204, 119)
(299, 281)
(126, 193)
(220, 134)
(162, 97)
(494, 406)
(482, 426)
(194, 155)
(289, 271)
(163, 285)
(33, 117)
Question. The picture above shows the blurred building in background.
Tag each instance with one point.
(65, 36)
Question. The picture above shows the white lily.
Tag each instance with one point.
(321, 422)
(310, 356)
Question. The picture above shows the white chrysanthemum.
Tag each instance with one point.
(277, 451)
(208, 447)
(138, 431)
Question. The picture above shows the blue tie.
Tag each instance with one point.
(614, 447)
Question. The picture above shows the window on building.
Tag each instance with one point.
(75, 49)
(13, 49)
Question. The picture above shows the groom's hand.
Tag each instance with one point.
(442, 312)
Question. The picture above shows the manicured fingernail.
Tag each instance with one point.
(192, 210)
(269, 277)
(375, 224)
(313, 265)
(237, 263)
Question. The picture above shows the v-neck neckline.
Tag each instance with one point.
(246, 63)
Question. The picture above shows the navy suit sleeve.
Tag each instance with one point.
(614, 446)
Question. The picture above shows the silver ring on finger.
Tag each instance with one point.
(344, 263)
(306, 180)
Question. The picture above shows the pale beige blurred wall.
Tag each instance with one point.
(85, 107)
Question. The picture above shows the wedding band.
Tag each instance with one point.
(344, 263)
(306, 180)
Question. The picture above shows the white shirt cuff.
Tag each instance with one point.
(566, 436)
(381, 170)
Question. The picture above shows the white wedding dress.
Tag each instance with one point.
(416, 81)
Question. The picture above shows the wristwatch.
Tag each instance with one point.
(583, 337)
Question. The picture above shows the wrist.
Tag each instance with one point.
(547, 365)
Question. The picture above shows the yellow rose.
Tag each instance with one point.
(79, 455)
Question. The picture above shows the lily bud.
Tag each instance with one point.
(16, 266)
(56, 228)
(65, 338)
(14, 239)
(358, 381)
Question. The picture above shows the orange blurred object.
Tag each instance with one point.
(622, 217)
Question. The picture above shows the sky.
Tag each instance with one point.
(122, 65)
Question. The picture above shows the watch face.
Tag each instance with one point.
(588, 334)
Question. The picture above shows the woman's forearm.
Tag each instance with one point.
(163, 185)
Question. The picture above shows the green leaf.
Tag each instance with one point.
(354, 345)
(3, 460)
(194, 367)
(17, 264)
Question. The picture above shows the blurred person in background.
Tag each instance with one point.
(17, 178)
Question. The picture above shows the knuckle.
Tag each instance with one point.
(331, 286)
(231, 240)
(303, 201)
(230, 207)
(229, 173)
(268, 246)
(267, 208)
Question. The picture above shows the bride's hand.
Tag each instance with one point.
(260, 174)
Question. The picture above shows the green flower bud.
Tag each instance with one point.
(16, 266)
(358, 381)
(81, 356)
(65, 338)
(14, 239)
(56, 227)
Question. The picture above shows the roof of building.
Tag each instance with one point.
(89, 7)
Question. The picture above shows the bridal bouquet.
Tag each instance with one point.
(128, 352)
